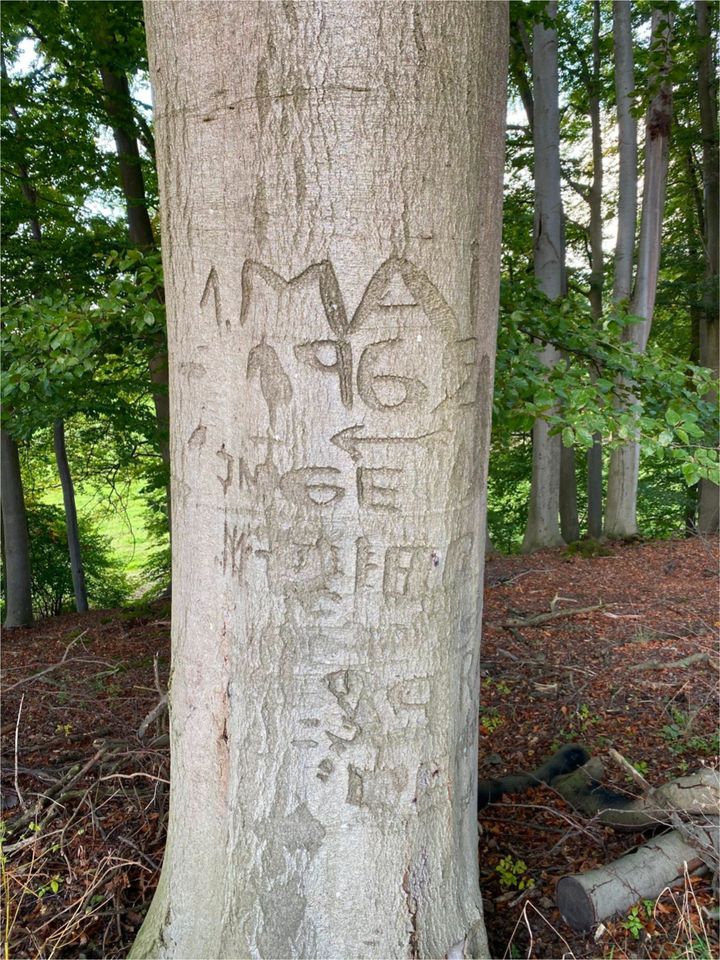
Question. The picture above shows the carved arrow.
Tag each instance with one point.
(350, 442)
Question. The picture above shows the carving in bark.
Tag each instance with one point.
(330, 181)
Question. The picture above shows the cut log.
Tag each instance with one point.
(589, 898)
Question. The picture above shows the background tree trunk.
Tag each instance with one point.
(597, 267)
(18, 598)
(709, 330)
(542, 528)
(569, 521)
(71, 521)
(627, 151)
(621, 521)
(331, 182)
(120, 111)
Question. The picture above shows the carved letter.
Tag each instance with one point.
(235, 549)
(226, 481)
(386, 391)
(311, 486)
(364, 565)
(372, 493)
(405, 572)
(459, 372)
(340, 365)
(212, 289)
(274, 382)
(399, 283)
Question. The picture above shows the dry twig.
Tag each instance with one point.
(552, 615)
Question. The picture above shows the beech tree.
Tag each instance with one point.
(16, 543)
(331, 187)
(709, 499)
(543, 529)
(621, 519)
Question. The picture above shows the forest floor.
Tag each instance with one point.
(85, 799)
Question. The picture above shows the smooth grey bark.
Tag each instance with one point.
(567, 489)
(16, 542)
(569, 520)
(628, 160)
(520, 58)
(331, 189)
(627, 151)
(709, 339)
(597, 267)
(543, 528)
(71, 521)
(621, 519)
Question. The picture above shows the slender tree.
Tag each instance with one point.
(16, 543)
(543, 528)
(118, 104)
(627, 151)
(621, 521)
(330, 178)
(597, 262)
(709, 331)
(71, 520)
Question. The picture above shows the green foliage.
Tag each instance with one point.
(490, 720)
(52, 589)
(83, 354)
(641, 767)
(513, 874)
(604, 387)
(51, 886)
(608, 388)
(634, 922)
(156, 570)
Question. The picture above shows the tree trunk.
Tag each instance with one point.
(331, 183)
(569, 521)
(18, 598)
(627, 151)
(709, 494)
(597, 269)
(621, 519)
(120, 111)
(71, 522)
(627, 218)
(520, 59)
(542, 528)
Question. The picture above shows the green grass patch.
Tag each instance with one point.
(122, 521)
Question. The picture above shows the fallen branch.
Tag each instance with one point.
(74, 774)
(629, 769)
(698, 793)
(672, 664)
(21, 801)
(157, 711)
(552, 615)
